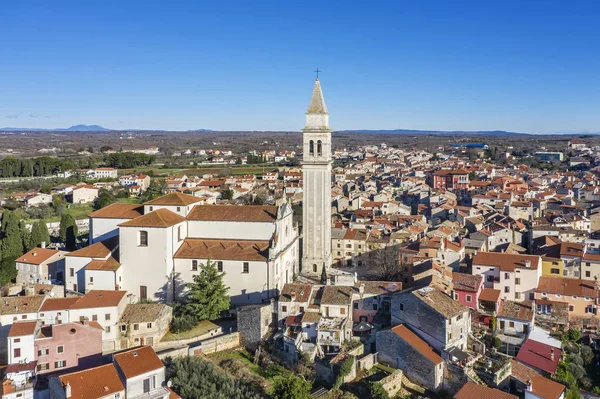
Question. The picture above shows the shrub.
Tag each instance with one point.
(573, 335)
(574, 358)
(183, 323)
(496, 343)
(378, 392)
(587, 354)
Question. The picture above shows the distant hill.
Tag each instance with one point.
(75, 128)
(407, 131)
(200, 131)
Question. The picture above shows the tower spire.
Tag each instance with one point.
(317, 101)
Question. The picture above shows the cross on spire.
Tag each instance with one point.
(317, 71)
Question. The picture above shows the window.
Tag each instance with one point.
(284, 308)
(17, 352)
(588, 264)
(107, 316)
(149, 384)
(517, 295)
(43, 366)
(143, 239)
(490, 278)
(554, 271)
(17, 340)
(43, 352)
(375, 306)
(355, 305)
(123, 327)
(148, 325)
(60, 349)
(517, 281)
(588, 273)
(531, 296)
(458, 317)
(220, 266)
(71, 272)
(194, 265)
(319, 148)
(136, 326)
(91, 280)
(246, 267)
(342, 310)
(151, 209)
(572, 308)
(94, 317)
(507, 289)
(179, 209)
(301, 309)
(511, 324)
(311, 147)
(469, 298)
(60, 364)
(402, 306)
(107, 329)
(506, 276)
(315, 268)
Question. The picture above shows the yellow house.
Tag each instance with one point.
(552, 266)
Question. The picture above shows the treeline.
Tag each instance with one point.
(127, 160)
(47, 166)
(40, 166)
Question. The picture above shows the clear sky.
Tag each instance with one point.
(529, 66)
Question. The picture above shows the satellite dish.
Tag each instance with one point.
(169, 384)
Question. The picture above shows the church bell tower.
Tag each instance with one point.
(316, 170)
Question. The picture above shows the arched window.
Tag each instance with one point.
(311, 147)
(315, 268)
(319, 148)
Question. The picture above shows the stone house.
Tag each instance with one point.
(40, 265)
(254, 323)
(144, 324)
(402, 348)
(434, 316)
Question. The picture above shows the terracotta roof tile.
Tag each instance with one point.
(52, 304)
(506, 262)
(546, 388)
(142, 312)
(94, 383)
(539, 356)
(439, 301)
(21, 304)
(21, 328)
(234, 213)
(337, 295)
(198, 248)
(118, 211)
(417, 343)
(302, 292)
(138, 361)
(489, 295)
(159, 218)
(466, 282)
(566, 286)
(100, 249)
(516, 310)
(37, 256)
(99, 299)
(110, 264)
(174, 199)
(475, 391)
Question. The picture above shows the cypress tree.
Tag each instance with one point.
(66, 221)
(25, 236)
(12, 245)
(39, 234)
(323, 275)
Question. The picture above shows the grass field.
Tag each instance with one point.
(78, 211)
(202, 328)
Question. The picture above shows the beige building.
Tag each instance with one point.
(84, 194)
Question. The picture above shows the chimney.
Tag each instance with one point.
(552, 354)
(527, 263)
(68, 390)
(34, 253)
(293, 295)
(361, 289)
(529, 385)
(43, 244)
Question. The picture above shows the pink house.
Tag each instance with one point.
(467, 288)
(68, 346)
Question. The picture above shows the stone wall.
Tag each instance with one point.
(392, 383)
(367, 362)
(254, 323)
(217, 344)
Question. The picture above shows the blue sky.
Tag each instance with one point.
(531, 66)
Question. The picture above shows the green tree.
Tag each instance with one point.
(290, 387)
(227, 194)
(68, 231)
(573, 335)
(196, 378)
(104, 199)
(8, 270)
(25, 235)
(207, 296)
(155, 189)
(11, 244)
(378, 392)
(323, 275)
(39, 234)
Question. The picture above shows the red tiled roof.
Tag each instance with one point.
(37, 256)
(417, 343)
(234, 213)
(20, 328)
(99, 299)
(118, 211)
(138, 361)
(475, 391)
(539, 355)
(505, 261)
(159, 218)
(489, 295)
(97, 382)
